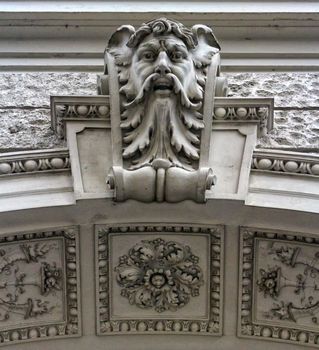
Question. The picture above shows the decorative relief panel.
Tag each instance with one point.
(165, 279)
(279, 297)
(39, 286)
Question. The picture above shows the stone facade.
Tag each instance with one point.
(25, 100)
(160, 203)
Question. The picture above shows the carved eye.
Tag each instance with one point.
(177, 56)
(148, 56)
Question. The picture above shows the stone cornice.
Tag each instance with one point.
(73, 33)
(235, 6)
(34, 161)
(285, 162)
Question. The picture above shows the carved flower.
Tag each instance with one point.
(51, 278)
(269, 281)
(283, 311)
(159, 274)
(262, 112)
(287, 255)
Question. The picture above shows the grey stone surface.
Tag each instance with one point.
(27, 129)
(288, 89)
(34, 89)
(296, 122)
(293, 129)
(25, 100)
(25, 121)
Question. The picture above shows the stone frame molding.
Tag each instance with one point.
(283, 327)
(77, 108)
(44, 161)
(286, 163)
(31, 248)
(158, 324)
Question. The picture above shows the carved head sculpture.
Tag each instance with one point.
(162, 73)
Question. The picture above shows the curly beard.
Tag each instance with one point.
(159, 127)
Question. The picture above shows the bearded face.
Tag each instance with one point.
(162, 75)
(166, 59)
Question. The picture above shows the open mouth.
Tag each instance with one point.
(163, 87)
(162, 84)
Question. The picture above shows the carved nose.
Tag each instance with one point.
(162, 67)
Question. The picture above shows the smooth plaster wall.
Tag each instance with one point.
(25, 106)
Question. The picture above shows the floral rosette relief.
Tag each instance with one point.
(159, 274)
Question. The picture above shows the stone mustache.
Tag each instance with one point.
(162, 79)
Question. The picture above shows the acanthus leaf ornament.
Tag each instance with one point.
(159, 274)
(162, 83)
(151, 279)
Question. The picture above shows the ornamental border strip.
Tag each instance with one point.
(253, 109)
(246, 327)
(97, 107)
(285, 163)
(77, 108)
(34, 161)
(71, 327)
(212, 327)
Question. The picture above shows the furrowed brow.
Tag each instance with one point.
(176, 46)
(149, 46)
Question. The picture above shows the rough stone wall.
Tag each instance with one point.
(296, 120)
(25, 106)
(25, 121)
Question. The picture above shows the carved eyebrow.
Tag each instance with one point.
(176, 46)
(149, 46)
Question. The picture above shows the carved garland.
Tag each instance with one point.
(287, 286)
(31, 283)
(173, 326)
